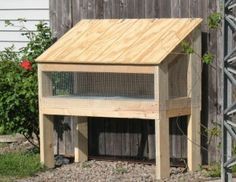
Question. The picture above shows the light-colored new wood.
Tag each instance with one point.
(129, 41)
(162, 122)
(194, 91)
(46, 140)
(97, 68)
(81, 144)
(143, 109)
(114, 108)
(179, 107)
(45, 125)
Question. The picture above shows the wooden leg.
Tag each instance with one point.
(162, 147)
(46, 140)
(194, 152)
(81, 146)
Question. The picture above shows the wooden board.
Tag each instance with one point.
(139, 41)
(99, 107)
(81, 144)
(97, 68)
(194, 91)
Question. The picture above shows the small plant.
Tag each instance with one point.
(214, 20)
(213, 170)
(186, 47)
(207, 58)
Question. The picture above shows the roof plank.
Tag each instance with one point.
(120, 41)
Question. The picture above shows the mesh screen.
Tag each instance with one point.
(102, 84)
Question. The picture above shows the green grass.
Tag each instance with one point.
(19, 165)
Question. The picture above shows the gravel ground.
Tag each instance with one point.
(104, 171)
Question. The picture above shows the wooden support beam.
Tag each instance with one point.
(98, 107)
(45, 124)
(81, 140)
(97, 68)
(162, 122)
(179, 107)
(194, 91)
(46, 140)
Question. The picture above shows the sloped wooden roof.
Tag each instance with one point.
(120, 41)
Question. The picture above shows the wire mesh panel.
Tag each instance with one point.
(86, 84)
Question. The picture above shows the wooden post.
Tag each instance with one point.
(81, 140)
(194, 91)
(45, 122)
(46, 140)
(162, 122)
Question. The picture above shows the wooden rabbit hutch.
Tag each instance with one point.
(123, 68)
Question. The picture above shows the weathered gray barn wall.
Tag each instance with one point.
(66, 13)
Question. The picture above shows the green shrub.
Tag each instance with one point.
(18, 83)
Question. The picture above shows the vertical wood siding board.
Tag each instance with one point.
(149, 8)
(213, 89)
(128, 139)
(73, 120)
(90, 138)
(175, 8)
(52, 14)
(145, 133)
(91, 9)
(107, 9)
(132, 138)
(108, 138)
(100, 136)
(130, 7)
(184, 8)
(139, 9)
(84, 9)
(99, 9)
(124, 9)
(115, 9)
(69, 145)
(156, 9)
(74, 123)
(76, 14)
(67, 21)
(151, 140)
(58, 18)
(165, 8)
(118, 142)
(193, 8)
(172, 138)
(219, 67)
(204, 14)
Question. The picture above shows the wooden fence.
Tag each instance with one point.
(64, 14)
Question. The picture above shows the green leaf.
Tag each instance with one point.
(207, 58)
(186, 47)
(214, 20)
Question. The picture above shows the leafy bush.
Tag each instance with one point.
(18, 83)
